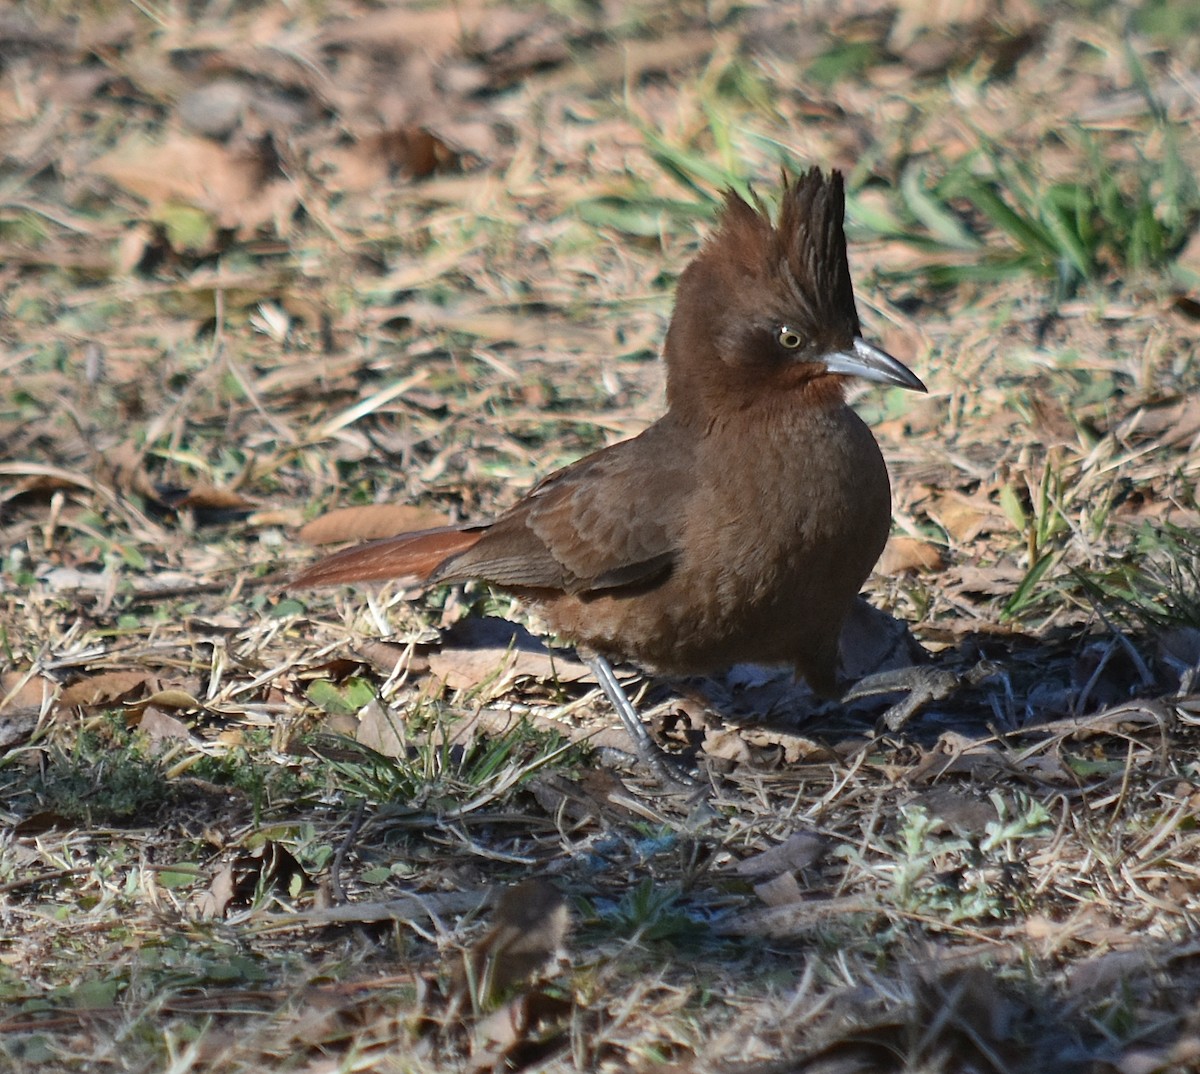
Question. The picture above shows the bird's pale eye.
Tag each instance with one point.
(789, 338)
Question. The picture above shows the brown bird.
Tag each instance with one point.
(738, 527)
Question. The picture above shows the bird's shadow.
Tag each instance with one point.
(981, 685)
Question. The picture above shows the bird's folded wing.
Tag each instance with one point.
(605, 523)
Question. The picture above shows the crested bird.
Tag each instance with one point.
(739, 526)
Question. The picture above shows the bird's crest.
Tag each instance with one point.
(801, 257)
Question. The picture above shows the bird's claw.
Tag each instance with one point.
(921, 683)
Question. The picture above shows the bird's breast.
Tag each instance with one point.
(804, 513)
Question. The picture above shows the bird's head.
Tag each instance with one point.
(768, 308)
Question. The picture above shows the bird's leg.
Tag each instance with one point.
(647, 749)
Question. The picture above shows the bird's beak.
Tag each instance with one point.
(870, 363)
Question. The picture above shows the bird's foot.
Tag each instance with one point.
(921, 683)
(662, 764)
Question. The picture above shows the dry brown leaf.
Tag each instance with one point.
(57, 476)
(531, 924)
(269, 867)
(187, 170)
(584, 798)
(1040, 927)
(500, 667)
(124, 468)
(998, 580)
(635, 59)
(903, 555)
(173, 697)
(955, 753)
(499, 722)
(1099, 975)
(494, 326)
(800, 850)
(386, 656)
(193, 171)
(22, 697)
(369, 522)
(964, 814)
(963, 517)
(436, 32)
(781, 890)
(466, 669)
(376, 159)
(1172, 424)
(211, 498)
(318, 1020)
(797, 918)
(339, 723)
(726, 744)
(103, 688)
(1052, 419)
(36, 486)
(381, 729)
(21, 691)
(213, 902)
(1155, 509)
(515, 1037)
(158, 726)
(41, 822)
(752, 742)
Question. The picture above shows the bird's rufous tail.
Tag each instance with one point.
(413, 556)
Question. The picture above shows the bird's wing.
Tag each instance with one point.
(609, 521)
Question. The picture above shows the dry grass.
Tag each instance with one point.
(260, 261)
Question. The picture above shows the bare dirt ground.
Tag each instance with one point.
(262, 262)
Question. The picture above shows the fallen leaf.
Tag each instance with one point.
(21, 691)
(386, 657)
(381, 729)
(962, 813)
(158, 726)
(210, 498)
(22, 699)
(435, 32)
(102, 689)
(271, 867)
(41, 822)
(499, 653)
(963, 517)
(514, 1037)
(173, 697)
(1171, 424)
(213, 902)
(800, 850)
(585, 798)
(376, 159)
(187, 171)
(531, 924)
(903, 555)
(781, 890)
(998, 580)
